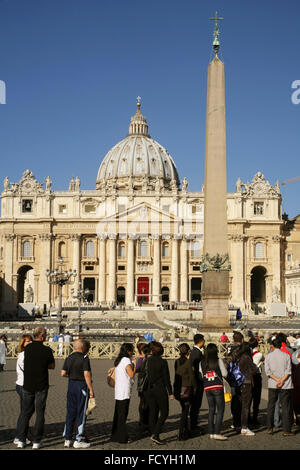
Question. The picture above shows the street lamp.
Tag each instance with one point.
(59, 278)
(81, 296)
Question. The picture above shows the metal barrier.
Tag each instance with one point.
(110, 350)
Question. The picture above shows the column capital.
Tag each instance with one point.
(112, 236)
(9, 237)
(46, 237)
(75, 237)
(155, 236)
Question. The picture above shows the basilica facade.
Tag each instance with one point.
(137, 238)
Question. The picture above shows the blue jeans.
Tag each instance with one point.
(216, 407)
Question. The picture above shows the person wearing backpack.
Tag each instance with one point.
(242, 357)
(235, 382)
(212, 369)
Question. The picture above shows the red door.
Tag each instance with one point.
(143, 290)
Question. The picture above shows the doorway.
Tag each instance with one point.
(196, 283)
(143, 290)
(89, 283)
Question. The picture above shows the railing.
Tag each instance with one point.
(110, 350)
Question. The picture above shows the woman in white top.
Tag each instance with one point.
(124, 374)
(2, 352)
(24, 341)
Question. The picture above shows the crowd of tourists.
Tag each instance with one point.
(234, 378)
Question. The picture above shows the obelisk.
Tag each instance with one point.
(215, 264)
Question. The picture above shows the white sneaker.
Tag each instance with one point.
(212, 436)
(21, 445)
(67, 443)
(219, 437)
(247, 432)
(16, 441)
(36, 445)
(81, 445)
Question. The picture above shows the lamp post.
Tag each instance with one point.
(81, 296)
(60, 278)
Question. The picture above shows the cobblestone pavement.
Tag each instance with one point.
(99, 423)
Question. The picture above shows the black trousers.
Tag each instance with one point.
(33, 402)
(256, 395)
(196, 403)
(158, 401)
(286, 401)
(119, 429)
(184, 420)
(19, 390)
(240, 405)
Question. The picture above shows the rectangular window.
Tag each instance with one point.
(26, 249)
(289, 257)
(165, 268)
(196, 268)
(89, 268)
(27, 205)
(90, 209)
(62, 209)
(166, 208)
(121, 268)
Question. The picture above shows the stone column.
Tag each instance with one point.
(10, 294)
(156, 298)
(130, 271)
(276, 264)
(76, 259)
(238, 277)
(112, 272)
(42, 296)
(183, 271)
(102, 269)
(174, 274)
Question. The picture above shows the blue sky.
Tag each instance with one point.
(73, 70)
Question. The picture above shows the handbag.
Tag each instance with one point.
(111, 379)
(227, 395)
(185, 392)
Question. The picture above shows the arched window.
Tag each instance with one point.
(26, 249)
(165, 250)
(143, 249)
(258, 250)
(195, 251)
(89, 249)
(121, 250)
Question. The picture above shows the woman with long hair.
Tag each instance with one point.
(184, 388)
(213, 370)
(125, 369)
(159, 390)
(24, 341)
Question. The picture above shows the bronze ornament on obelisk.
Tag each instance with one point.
(215, 264)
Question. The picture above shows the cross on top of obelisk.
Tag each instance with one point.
(216, 43)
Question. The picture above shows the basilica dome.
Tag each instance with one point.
(138, 159)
